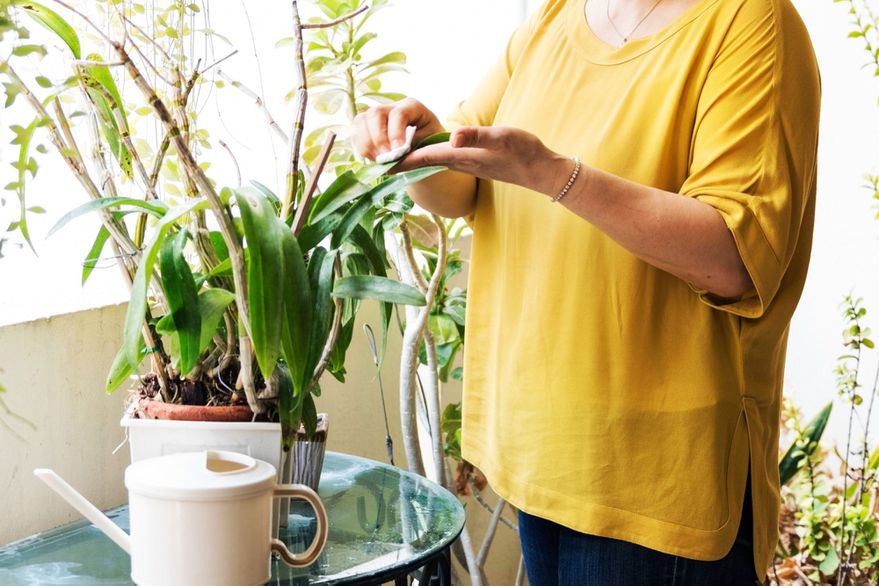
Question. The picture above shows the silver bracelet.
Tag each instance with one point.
(570, 182)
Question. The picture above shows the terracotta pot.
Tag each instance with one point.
(149, 409)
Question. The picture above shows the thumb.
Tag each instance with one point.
(485, 137)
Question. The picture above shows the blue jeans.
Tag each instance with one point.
(558, 556)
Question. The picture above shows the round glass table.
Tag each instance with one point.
(385, 523)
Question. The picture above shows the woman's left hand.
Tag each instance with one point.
(502, 154)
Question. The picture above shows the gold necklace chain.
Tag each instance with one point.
(625, 38)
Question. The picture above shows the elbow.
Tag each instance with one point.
(733, 283)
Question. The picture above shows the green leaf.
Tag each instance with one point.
(320, 275)
(313, 234)
(137, 305)
(378, 288)
(345, 188)
(23, 136)
(393, 57)
(309, 415)
(376, 195)
(156, 208)
(290, 406)
(790, 463)
(24, 50)
(298, 307)
(52, 21)
(212, 303)
(183, 301)
(360, 238)
(100, 85)
(830, 563)
(94, 253)
(122, 368)
(264, 276)
(437, 138)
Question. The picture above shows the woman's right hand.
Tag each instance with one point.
(383, 128)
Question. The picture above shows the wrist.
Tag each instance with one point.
(561, 174)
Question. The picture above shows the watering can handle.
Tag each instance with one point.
(320, 539)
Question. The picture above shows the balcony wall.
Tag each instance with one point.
(54, 372)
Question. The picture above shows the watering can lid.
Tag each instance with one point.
(206, 475)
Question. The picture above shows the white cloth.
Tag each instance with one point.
(401, 151)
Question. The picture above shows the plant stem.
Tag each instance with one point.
(308, 194)
(76, 164)
(224, 219)
(299, 123)
(334, 22)
(259, 103)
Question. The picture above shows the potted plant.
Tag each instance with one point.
(241, 298)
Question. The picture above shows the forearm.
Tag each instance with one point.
(450, 194)
(677, 234)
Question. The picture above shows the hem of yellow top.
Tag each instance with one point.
(604, 521)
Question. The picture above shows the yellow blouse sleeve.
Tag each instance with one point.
(480, 108)
(754, 146)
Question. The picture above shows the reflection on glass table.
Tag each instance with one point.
(384, 523)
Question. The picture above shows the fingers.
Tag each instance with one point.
(382, 128)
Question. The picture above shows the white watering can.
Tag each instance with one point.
(200, 518)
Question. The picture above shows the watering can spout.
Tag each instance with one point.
(88, 510)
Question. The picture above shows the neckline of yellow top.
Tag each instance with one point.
(601, 53)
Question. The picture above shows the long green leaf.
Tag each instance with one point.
(346, 187)
(433, 139)
(378, 288)
(52, 21)
(265, 277)
(137, 305)
(320, 273)
(313, 234)
(157, 209)
(182, 296)
(290, 406)
(212, 303)
(298, 308)
(361, 238)
(100, 85)
(94, 253)
(793, 459)
(396, 183)
(121, 368)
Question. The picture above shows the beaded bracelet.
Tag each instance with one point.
(570, 182)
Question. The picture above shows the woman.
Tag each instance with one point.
(640, 178)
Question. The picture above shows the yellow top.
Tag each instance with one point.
(603, 393)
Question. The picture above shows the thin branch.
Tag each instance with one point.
(88, 21)
(259, 103)
(340, 20)
(234, 160)
(217, 62)
(74, 160)
(490, 532)
(299, 123)
(87, 63)
(125, 135)
(224, 219)
(478, 498)
(308, 194)
(146, 37)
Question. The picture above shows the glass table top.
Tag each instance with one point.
(382, 520)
